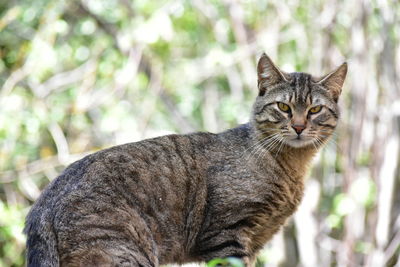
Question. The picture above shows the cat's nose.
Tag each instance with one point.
(299, 128)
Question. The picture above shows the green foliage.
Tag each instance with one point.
(231, 262)
(12, 241)
(77, 76)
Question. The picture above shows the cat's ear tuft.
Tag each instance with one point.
(334, 80)
(268, 74)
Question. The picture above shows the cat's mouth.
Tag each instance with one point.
(299, 138)
(299, 141)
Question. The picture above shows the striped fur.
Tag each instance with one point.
(184, 198)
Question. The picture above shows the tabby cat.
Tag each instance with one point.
(193, 197)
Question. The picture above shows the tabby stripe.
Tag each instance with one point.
(309, 90)
(179, 153)
(282, 168)
(94, 239)
(297, 89)
(133, 251)
(327, 125)
(224, 245)
(206, 238)
(240, 224)
(109, 228)
(167, 151)
(333, 113)
(263, 108)
(266, 120)
(271, 199)
(131, 200)
(278, 190)
(143, 253)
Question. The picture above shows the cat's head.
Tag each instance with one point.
(296, 109)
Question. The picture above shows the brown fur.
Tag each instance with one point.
(177, 198)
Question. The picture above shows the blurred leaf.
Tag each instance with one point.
(231, 261)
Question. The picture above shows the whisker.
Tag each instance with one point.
(315, 146)
(274, 144)
(262, 149)
(254, 148)
(257, 142)
(270, 147)
(320, 141)
(281, 146)
(259, 146)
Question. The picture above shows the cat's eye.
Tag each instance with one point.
(283, 107)
(315, 109)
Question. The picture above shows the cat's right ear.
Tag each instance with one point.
(268, 74)
(334, 80)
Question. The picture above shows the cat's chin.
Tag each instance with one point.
(299, 143)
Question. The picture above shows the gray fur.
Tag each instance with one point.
(185, 198)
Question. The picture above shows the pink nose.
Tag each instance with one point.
(298, 128)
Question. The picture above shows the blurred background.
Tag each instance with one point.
(81, 75)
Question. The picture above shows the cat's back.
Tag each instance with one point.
(166, 155)
(153, 188)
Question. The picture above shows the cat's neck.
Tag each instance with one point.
(296, 159)
(292, 159)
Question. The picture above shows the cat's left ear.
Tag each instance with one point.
(268, 74)
(334, 80)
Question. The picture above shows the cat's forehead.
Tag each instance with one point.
(300, 90)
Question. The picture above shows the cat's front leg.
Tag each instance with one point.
(249, 261)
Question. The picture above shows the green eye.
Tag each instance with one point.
(283, 107)
(315, 109)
